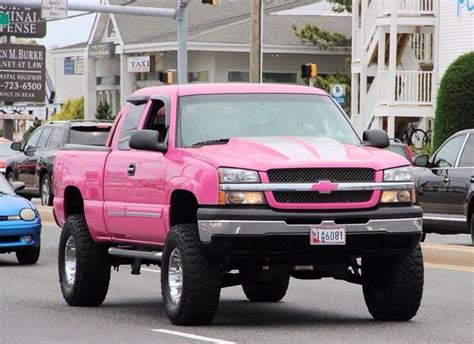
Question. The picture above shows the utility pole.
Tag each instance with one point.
(256, 15)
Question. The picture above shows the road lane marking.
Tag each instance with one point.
(449, 267)
(193, 336)
(151, 270)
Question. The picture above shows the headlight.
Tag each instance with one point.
(233, 175)
(27, 214)
(397, 196)
(399, 174)
(240, 197)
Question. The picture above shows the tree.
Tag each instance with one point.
(73, 109)
(103, 112)
(455, 100)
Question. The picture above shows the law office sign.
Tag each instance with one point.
(22, 73)
(23, 22)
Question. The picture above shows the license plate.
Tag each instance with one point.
(327, 235)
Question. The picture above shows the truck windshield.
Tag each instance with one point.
(213, 119)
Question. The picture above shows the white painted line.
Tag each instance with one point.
(151, 270)
(193, 336)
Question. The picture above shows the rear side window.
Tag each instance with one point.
(43, 141)
(56, 138)
(90, 135)
(467, 157)
(130, 125)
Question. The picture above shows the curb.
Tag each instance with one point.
(433, 254)
(448, 255)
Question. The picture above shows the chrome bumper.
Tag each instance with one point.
(208, 228)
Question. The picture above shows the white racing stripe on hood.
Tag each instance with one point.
(327, 148)
(289, 148)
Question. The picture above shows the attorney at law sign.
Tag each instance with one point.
(141, 64)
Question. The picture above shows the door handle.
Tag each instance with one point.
(446, 179)
(131, 170)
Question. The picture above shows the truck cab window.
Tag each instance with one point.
(157, 120)
(130, 125)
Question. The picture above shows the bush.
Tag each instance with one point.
(455, 101)
(103, 112)
(71, 110)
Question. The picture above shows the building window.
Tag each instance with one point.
(111, 32)
(198, 76)
(268, 77)
(108, 80)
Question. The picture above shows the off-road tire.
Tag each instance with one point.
(201, 279)
(28, 256)
(92, 277)
(393, 285)
(270, 290)
(46, 182)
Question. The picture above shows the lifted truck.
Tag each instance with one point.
(238, 184)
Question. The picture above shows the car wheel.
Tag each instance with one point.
(46, 193)
(190, 278)
(393, 285)
(28, 256)
(267, 290)
(84, 266)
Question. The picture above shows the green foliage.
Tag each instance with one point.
(323, 39)
(73, 109)
(341, 5)
(455, 101)
(103, 112)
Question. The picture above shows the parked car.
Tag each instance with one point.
(268, 180)
(445, 185)
(401, 149)
(34, 164)
(5, 153)
(20, 224)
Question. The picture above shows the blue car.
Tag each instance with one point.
(20, 224)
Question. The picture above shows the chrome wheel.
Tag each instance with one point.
(175, 276)
(44, 193)
(70, 261)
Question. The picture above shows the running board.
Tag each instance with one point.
(125, 253)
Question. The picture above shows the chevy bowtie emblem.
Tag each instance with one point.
(324, 187)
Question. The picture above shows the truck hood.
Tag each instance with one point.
(264, 153)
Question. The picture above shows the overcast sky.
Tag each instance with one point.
(69, 31)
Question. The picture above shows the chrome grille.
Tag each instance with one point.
(314, 175)
(316, 197)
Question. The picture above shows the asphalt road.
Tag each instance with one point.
(32, 310)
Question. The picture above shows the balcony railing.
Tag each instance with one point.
(422, 46)
(418, 6)
(411, 87)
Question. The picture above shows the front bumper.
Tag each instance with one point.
(266, 232)
(12, 235)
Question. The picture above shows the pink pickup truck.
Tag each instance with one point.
(238, 184)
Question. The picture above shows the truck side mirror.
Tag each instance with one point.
(422, 160)
(147, 140)
(16, 146)
(375, 138)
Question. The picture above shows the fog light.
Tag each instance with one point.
(237, 197)
(396, 196)
(28, 239)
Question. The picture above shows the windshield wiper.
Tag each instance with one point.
(211, 142)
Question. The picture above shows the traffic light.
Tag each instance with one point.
(165, 77)
(209, 2)
(309, 71)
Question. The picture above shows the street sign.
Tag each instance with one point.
(4, 19)
(24, 22)
(338, 92)
(22, 73)
(29, 113)
(53, 9)
(105, 50)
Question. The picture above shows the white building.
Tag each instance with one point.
(401, 49)
(218, 45)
